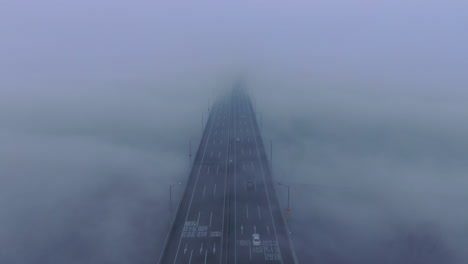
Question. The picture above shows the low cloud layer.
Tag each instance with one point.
(364, 101)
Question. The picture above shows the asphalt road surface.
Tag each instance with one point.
(229, 196)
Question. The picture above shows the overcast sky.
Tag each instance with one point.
(365, 102)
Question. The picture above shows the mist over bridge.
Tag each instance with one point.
(229, 196)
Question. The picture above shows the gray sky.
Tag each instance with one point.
(365, 101)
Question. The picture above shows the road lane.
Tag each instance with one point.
(218, 213)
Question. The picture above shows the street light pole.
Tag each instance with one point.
(271, 153)
(170, 197)
(288, 210)
(261, 122)
(287, 187)
(190, 152)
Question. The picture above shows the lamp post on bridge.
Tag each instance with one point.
(170, 196)
(271, 154)
(288, 209)
(190, 153)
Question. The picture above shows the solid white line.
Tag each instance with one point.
(190, 260)
(211, 216)
(225, 189)
(235, 189)
(214, 190)
(206, 252)
(208, 172)
(204, 189)
(198, 220)
(194, 189)
(201, 248)
(266, 190)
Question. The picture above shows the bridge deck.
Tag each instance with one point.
(220, 211)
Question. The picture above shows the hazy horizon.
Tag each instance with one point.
(365, 102)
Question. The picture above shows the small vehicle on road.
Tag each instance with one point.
(256, 239)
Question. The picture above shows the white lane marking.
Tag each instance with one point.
(266, 190)
(259, 214)
(247, 211)
(217, 170)
(250, 251)
(211, 216)
(206, 252)
(204, 189)
(255, 229)
(252, 166)
(201, 247)
(185, 249)
(216, 131)
(191, 253)
(214, 141)
(235, 189)
(211, 154)
(250, 152)
(208, 172)
(219, 155)
(242, 229)
(225, 189)
(214, 248)
(198, 220)
(268, 229)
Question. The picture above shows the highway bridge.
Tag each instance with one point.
(229, 196)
